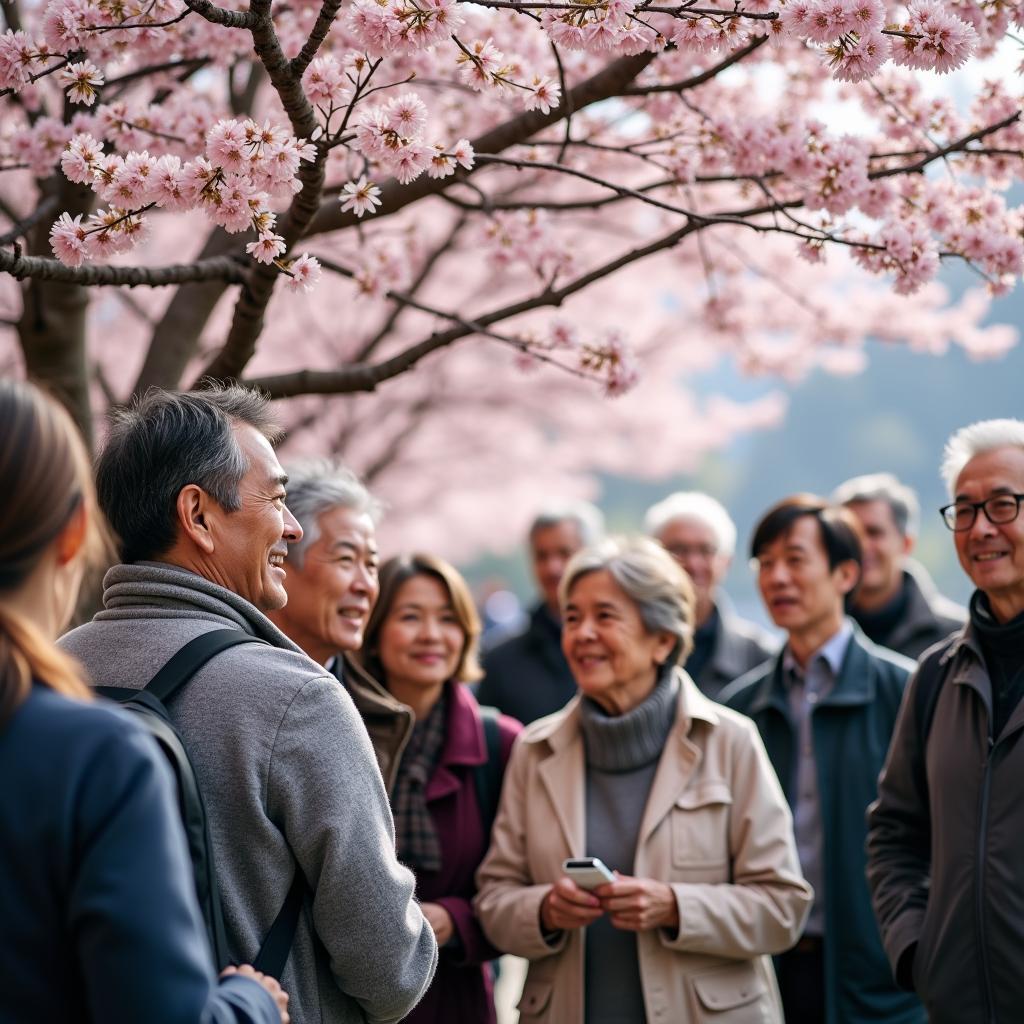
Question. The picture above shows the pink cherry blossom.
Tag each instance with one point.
(304, 273)
(266, 248)
(68, 240)
(360, 196)
(81, 81)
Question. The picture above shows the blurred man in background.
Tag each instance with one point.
(698, 533)
(896, 605)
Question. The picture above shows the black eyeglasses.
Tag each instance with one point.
(1000, 508)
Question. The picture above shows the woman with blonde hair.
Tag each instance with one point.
(98, 914)
(421, 644)
(672, 794)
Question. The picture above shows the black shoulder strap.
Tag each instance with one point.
(487, 776)
(273, 954)
(192, 657)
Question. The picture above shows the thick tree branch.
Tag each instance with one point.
(218, 16)
(40, 268)
(328, 12)
(705, 76)
(247, 322)
(366, 376)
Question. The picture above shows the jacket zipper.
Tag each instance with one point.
(990, 1015)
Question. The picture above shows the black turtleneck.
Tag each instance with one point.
(879, 624)
(1002, 644)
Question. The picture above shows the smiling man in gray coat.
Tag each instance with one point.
(196, 494)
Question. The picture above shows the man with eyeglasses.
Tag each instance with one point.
(699, 534)
(946, 835)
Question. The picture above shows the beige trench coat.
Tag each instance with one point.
(716, 827)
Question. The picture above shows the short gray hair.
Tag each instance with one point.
(586, 517)
(165, 441)
(698, 506)
(650, 577)
(317, 485)
(902, 501)
(977, 439)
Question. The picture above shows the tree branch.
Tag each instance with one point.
(39, 268)
(324, 20)
(47, 208)
(366, 376)
(218, 16)
(704, 76)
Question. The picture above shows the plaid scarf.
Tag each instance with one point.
(417, 841)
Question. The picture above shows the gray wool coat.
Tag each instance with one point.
(288, 775)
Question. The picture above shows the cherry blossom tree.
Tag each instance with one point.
(318, 197)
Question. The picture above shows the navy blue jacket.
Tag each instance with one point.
(527, 677)
(851, 728)
(98, 914)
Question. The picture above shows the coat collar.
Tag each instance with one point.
(464, 743)
(563, 771)
(854, 685)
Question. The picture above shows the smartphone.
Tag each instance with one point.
(588, 872)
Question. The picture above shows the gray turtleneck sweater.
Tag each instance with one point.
(622, 755)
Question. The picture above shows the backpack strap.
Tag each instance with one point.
(192, 657)
(487, 777)
(273, 954)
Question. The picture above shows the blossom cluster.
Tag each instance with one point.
(393, 137)
(608, 356)
(246, 164)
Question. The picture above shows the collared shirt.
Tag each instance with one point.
(807, 686)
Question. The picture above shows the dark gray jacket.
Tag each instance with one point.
(929, 617)
(289, 779)
(527, 676)
(739, 647)
(946, 844)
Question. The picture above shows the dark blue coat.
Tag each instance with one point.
(851, 728)
(98, 915)
(527, 677)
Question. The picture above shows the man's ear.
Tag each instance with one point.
(72, 535)
(192, 507)
(908, 544)
(847, 575)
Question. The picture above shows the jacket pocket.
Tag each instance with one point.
(735, 994)
(534, 1000)
(700, 828)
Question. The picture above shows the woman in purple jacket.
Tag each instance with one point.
(421, 644)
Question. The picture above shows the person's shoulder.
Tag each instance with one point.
(541, 731)
(740, 693)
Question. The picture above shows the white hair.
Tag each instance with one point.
(586, 517)
(650, 577)
(976, 439)
(317, 485)
(902, 502)
(697, 506)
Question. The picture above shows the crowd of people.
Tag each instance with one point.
(322, 802)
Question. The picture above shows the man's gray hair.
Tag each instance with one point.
(165, 441)
(698, 506)
(976, 439)
(902, 501)
(587, 518)
(317, 485)
(650, 577)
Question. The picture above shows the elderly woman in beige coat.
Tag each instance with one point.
(670, 790)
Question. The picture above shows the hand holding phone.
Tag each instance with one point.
(588, 872)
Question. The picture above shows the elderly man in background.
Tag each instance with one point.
(332, 588)
(699, 534)
(896, 605)
(527, 676)
(195, 492)
(946, 836)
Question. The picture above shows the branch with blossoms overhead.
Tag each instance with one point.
(577, 140)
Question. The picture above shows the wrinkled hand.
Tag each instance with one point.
(277, 993)
(440, 920)
(567, 906)
(639, 904)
